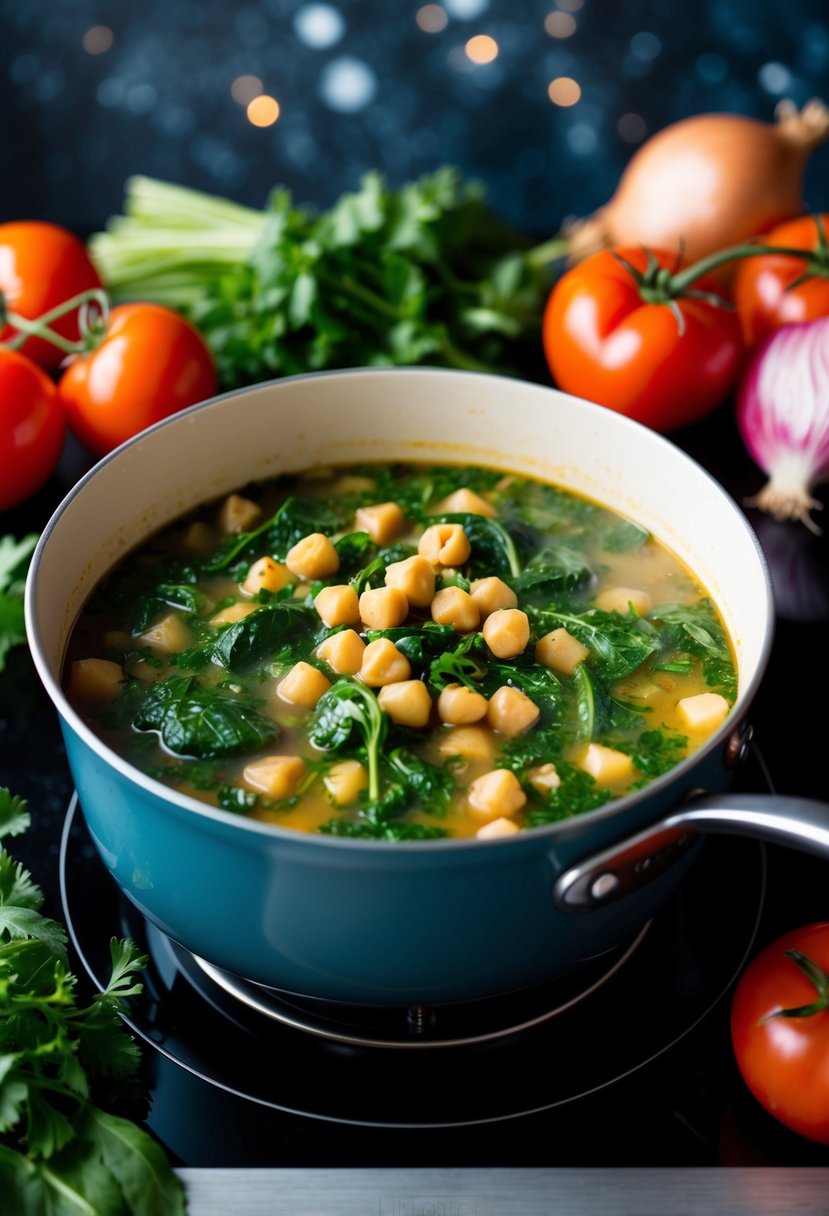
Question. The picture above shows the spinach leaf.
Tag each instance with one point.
(694, 629)
(556, 570)
(418, 643)
(353, 549)
(371, 574)
(577, 794)
(349, 707)
(461, 665)
(597, 712)
(655, 752)
(183, 596)
(263, 633)
(201, 722)
(619, 644)
(297, 517)
(367, 829)
(429, 785)
(528, 750)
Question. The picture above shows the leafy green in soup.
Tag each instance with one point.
(402, 652)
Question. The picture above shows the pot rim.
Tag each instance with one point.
(550, 832)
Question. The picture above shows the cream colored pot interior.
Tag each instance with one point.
(419, 414)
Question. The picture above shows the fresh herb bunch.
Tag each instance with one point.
(60, 1152)
(424, 273)
(14, 562)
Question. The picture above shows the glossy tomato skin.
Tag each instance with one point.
(763, 290)
(785, 1061)
(32, 429)
(41, 266)
(150, 364)
(603, 342)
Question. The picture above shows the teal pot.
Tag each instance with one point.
(422, 922)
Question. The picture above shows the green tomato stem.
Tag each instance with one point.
(40, 327)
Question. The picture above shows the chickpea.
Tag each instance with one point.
(96, 679)
(238, 514)
(338, 605)
(498, 828)
(511, 712)
(415, 577)
(622, 599)
(471, 743)
(492, 593)
(507, 632)
(444, 545)
(407, 702)
(266, 575)
(459, 705)
(313, 557)
(383, 608)
(544, 778)
(466, 502)
(344, 780)
(276, 776)
(343, 652)
(383, 664)
(303, 685)
(383, 521)
(495, 795)
(455, 607)
(560, 651)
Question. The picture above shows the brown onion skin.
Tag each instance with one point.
(707, 182)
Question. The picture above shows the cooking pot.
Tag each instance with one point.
(390, 923)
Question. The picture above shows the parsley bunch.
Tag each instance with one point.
(60, 1152)
(421, 274)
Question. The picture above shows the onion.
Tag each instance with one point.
(783, 417)
(707, 182)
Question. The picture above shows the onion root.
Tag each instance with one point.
(785, 503)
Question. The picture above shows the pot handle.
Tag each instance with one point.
(801, 823)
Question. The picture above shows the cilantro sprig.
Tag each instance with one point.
(60, 1152)
(14, 562)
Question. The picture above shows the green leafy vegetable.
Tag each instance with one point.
(202, 722)
(694, 628)
(554, 571)
(60, 1152)
(463, 665)
(262, 633)
(619, 644)
(493, 549)
(348, 707)
(421, 274)
(14, 563)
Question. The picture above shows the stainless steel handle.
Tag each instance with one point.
(800, 823)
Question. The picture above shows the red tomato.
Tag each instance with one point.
(763, 290)
(32, 428)
(785, 1060)
(150, 363)
(42, 266)
(606, 343)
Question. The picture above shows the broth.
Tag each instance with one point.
(402, 652)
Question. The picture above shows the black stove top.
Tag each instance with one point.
(635, 1068)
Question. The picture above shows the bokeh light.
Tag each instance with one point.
(432, 18)
(263, 110)
(98, 39)
(481, 49)
(245, 88)
(564, 91)
(560, 25)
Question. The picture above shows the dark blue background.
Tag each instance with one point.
(361, 85)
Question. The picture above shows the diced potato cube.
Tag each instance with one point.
(456, 607)
(313, 557)
(167, 636)
(338, 605)
(703, 713)
(266, 575)
(352, 483)
(607, 766)
(560, 651)
(383, 608)
(95, 679)
(233, 613)
(343, 652)
(407, 702)
(238, 514)
(444, 545)
(459, 705)
(622, 599)
(383, 664)
(198, 538)
(507, 632)
(544, 778)
(472, 743)
(384, 521)
(415, 577)
(303, 685)
(466, 502)
(497, 829)
(118, 639)
(492, 593)
(276, 776)
(511, 711)
(495, 795)
(344, 780)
